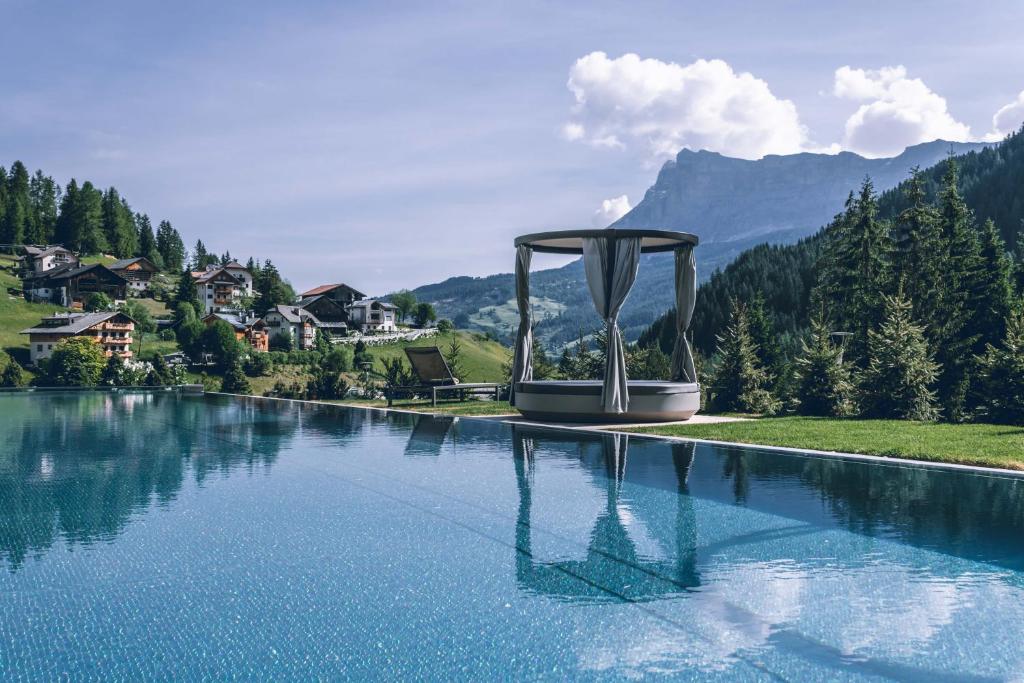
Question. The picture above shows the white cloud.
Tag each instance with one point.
(663, 106)
(898, 112)
(573, 131)
(1009, 118)
(611, 210)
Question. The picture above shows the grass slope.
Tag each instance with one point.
(16, 314)
(967, 444)
(482, 358)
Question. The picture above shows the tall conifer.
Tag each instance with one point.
(897, 382)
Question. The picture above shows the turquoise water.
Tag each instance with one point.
(157, 536)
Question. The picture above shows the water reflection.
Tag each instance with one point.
(612, 569)
(78, 466)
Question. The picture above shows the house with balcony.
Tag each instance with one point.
(137, 272)
(372, 315)
(70, 285)
(247, 326)
(298, 324)
(39, 259)
(222, 287)
(111, 330)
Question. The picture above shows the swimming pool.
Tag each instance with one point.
(166, 536)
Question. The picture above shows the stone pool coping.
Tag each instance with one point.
(617, 429)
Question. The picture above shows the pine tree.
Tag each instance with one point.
(919, 250)
(67, 230)
(854, 270)
(762, 331)
(147, 240)
(186, 292)
(995, 289)
(119, 225)
(201, 257)
(170, 246)
(740, 382)
(1001, 375)
(900, 371)
(954, 337)
(14, 221)
(823, 380)
(90, 216)
(45, 197)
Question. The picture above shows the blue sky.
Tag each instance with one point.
(389, 145)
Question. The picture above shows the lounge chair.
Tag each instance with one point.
(435, 377)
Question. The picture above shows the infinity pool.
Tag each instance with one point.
(164, 536)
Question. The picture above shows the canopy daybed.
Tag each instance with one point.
(611, 258)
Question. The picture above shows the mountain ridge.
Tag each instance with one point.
(778, 199)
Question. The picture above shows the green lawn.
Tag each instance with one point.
(482, 358)
(16, 314)
(969, 444)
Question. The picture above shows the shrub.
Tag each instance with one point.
(325, 385)
(12, 375)
(339, 359)
(219, 340)
(257, 365)
(281, 341)
(98, 301)
(423, 314)
(235, 381)
(166, 334)
(444, 326)
(76, 362)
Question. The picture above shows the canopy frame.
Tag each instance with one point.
(615, 394)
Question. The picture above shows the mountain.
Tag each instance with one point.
(990, 181)
(732, 204)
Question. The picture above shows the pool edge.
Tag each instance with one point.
(788, 450)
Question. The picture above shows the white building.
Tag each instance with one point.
(300, 325)
(111, 330)
(371, 315)
(221, 287)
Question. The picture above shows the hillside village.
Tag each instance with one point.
(214, 317)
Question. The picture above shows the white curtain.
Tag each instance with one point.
(611, 265)
(522, 363)
(686, 299)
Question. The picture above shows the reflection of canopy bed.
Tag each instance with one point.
(612, 568)
(611, 258)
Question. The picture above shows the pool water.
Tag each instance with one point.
(164, 536)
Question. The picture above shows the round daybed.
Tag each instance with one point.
(611, 258)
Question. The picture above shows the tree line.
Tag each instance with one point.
(916, 316)
(34, 209)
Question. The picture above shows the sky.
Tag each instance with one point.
(389, 145)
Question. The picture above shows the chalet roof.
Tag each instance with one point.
(203, 276)
(41, 251)
(235, 320)
(323, 289)
(71, 270)
(125, 262)
(74, 323)
(310, 300)
(234, 264)
(365, 303)
(294, 314)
